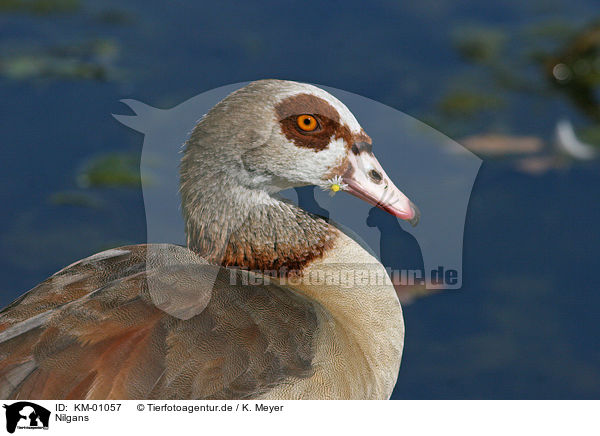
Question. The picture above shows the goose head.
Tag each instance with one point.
(275, 134)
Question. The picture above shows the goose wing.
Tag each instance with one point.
(153, 321)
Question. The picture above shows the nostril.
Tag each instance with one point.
(375, 176)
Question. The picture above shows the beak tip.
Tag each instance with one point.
(416, 215)
(360, 182)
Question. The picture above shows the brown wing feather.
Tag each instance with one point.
(152, 322)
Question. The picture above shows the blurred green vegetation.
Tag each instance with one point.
(75, 198)
(547, 58)
(93, 60)
(590, 135)
(40, 7)
(465, 103)
(550, 61)
(115, 17)
(111, 170)
(575, 70)
(479, 43)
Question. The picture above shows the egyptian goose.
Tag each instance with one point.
(252, 307)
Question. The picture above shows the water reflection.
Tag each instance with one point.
(399, 251)
(524, 324)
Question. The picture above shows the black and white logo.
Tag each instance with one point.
(26, 415)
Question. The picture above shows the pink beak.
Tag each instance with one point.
(368, 181)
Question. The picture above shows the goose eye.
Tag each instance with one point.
(308, 123)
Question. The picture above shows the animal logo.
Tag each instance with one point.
(434, 171)
(26, 415)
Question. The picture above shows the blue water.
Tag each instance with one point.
(524, 325)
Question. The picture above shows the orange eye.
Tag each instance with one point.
(308, 123)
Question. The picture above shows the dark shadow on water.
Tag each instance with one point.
(399, 250)
(307, 201)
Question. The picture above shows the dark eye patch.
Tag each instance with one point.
(317, 139)
(287, 111)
